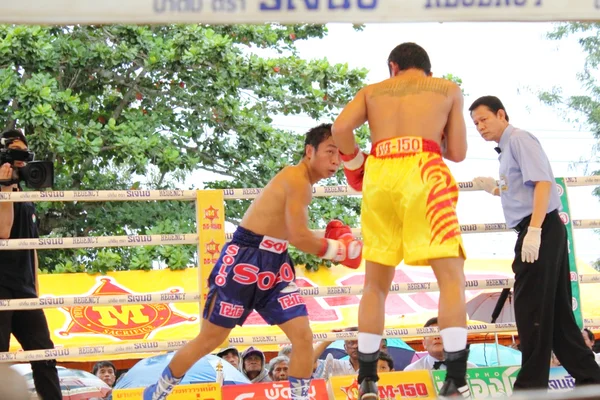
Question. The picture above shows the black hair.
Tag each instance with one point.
(491, 102)
(590, 335)
(431, 321)
(317, 135)
(410, 55)
(103, 364)
(14, 133)
(386, 358)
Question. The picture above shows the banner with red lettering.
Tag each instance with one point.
(272, 391)
(391, 385)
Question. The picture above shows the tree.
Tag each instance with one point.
(141, 107)
(583, 109)
(121, 107)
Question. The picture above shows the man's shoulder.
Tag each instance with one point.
(293, 176)
(521, 134)
(415, 365)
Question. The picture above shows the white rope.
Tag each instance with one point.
(189, 238)
(148, 346)
(69, 12)
(229, 194)
(321, 291)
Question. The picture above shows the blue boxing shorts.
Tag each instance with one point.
(253, 272)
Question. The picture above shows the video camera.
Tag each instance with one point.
(36, 174)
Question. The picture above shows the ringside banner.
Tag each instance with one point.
(292, 11)
(391, 386)
(202, 391)
(272, 391)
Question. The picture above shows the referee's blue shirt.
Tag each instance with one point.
(522, 163)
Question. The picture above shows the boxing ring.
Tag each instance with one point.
(210, 238)
(210, 234)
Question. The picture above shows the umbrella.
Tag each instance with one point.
(74, 384)
(481, 308)
(401, 353)
(486, 355)
(147, 371)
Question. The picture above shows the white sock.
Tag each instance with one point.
(368, 343)
(455, 339)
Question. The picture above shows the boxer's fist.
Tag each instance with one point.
(354, 168)
(337, 229)
(346, 251)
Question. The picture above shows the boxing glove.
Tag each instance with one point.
(337, 229)
(354, 168)
(339, 245)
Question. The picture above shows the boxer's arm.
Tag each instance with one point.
(297, 198)
(456, 129)
(351, 117)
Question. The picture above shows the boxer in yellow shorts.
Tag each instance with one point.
(409, 201)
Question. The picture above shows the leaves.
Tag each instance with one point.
(583, 108)
(120, 107)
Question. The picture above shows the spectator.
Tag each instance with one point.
(385, 363)
(350, 365)
(252, 365)
(285, 351)
(590, 339)
(18, 278)
(106, 371)
(231, 355)
(435, 349)
(278, 368)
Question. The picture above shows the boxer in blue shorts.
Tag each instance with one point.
(255, 272)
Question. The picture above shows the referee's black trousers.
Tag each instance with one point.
(30, 328)
(543, 311)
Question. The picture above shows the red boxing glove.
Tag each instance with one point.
(354, 168)
(336, 229)
(339, 245)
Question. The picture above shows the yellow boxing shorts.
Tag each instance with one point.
(409, 204)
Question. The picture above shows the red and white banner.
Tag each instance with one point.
(272, 391)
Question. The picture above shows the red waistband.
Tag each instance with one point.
(402, 146)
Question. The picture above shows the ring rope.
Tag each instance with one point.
(149, 346)
(192, 238)
(229, 194)
(185, 297)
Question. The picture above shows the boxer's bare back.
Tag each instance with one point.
(412, 104)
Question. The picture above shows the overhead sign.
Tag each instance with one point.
(292, 11)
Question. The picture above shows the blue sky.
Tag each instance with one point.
(508, 60)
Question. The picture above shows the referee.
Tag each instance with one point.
(543, 299)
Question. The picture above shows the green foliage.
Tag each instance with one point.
(122, 107)
(584, 108)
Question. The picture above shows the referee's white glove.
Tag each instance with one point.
(531, 244)
(488, 184)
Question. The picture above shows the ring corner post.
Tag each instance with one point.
(565, 216)
(210, 225)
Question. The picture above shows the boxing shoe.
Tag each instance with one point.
(455, 384)
(368, 390)
(161, 389)
(452, 389)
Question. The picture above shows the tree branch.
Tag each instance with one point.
(127, 98)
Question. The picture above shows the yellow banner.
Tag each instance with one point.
(203, 391)
(113, 324)
(211, 233)
(392, 385)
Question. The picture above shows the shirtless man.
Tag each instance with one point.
(255, 272)
(409, 200)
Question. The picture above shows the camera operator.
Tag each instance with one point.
(18, 279)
